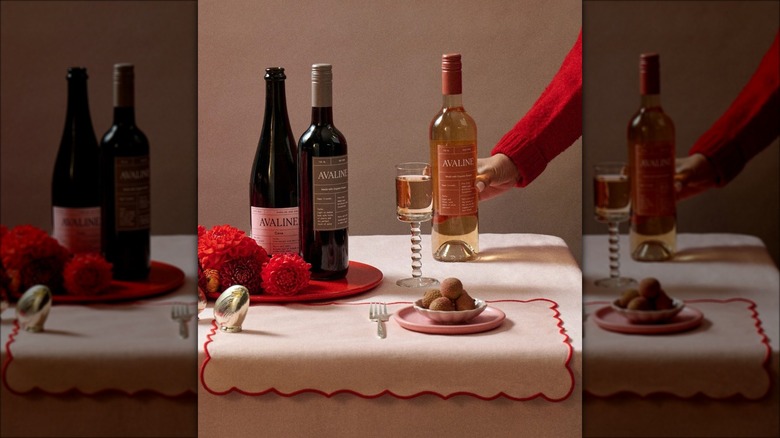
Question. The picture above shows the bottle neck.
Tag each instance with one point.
(650, 100)
(322, 115)
(124, 100)
(650, 81)
(452, 101)
(321, 102)
(452, 82)
(78, 101)
(275, 102)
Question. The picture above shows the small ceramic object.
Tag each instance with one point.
(33, 308)
(451, 316)
(231, 307)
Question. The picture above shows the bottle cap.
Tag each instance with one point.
(321, 85)
(124, 88)
(275, 74)
(322, 72)
(77, 72)
(649, 73)
(451, 76)
(123, 73)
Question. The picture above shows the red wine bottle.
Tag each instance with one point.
(273, 189)
(322, 184)
(75, 192)
(125, 180)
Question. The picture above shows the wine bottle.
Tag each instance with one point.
(273, 189)
(453, 148)
(651, 153)
(322, 184)
(125, 184)
(75, 192)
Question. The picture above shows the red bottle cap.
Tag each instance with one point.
(649, 73)
(451, 82)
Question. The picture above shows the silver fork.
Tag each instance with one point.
(182, 314)
(378, 312)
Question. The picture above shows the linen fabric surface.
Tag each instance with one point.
(113, 369)
(692, 391)
(333, 348)
(128, 348)
(524, 275)
(686, 363)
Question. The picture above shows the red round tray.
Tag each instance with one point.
(162, 278)
(360, 278)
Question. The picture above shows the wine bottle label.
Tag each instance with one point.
(329, 189)
(276, 229)
(131, 196)
(457, 173)
(654, 191)
(77, 229)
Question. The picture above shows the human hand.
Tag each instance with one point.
(693, 175)
(495, 175)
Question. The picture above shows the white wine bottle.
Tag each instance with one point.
(651, 154)
(453, 148)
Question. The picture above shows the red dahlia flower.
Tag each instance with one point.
(285, 274)
(30, 256)
(223, 243)
(244, 271)
(87, 274)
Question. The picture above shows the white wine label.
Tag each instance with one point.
(276, 229)
(457, 173)
(330, 193)
(654, 164)
(131, 193)
(77, 229)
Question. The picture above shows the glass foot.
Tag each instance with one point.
(616, 282)
(417, 282)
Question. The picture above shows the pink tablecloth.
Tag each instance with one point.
(299, 364)
(338, 352)
(693, 362)
(104, 369)
(102, 348)
(719, 379)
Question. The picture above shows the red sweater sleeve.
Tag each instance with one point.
(749, 125)
(551, 125)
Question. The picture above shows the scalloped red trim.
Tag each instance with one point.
(700, 394)
(74, 390)
(561, 330)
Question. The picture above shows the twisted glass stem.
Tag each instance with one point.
(416, 250)
(614, 250)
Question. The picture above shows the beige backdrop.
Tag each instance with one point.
(387, 88)
(709, 50)
(40, 40)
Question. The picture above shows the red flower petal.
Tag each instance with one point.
(285, 274)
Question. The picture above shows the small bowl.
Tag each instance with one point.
(649, 316)
(450, 316)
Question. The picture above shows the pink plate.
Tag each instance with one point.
(162, 278)
(608, 319)
(360, 278)
(489, 319)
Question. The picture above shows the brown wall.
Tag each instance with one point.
(386, 61)
(708, 51)
(40, 40)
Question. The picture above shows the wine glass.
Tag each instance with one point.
(414, 204)
(612, 199)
